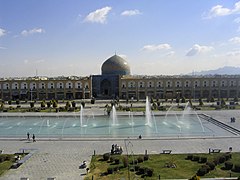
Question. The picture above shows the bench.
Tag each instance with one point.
(214, 151)
(167, 151)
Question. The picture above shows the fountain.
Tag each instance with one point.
(81, 116)
(184, 123)
(113, 116)
(148, 114)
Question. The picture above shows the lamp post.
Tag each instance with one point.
(126, 146)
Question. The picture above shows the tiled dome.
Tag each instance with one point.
(115, 65)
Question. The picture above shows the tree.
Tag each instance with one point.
(235, 99)
(73, 104)
(200, 102)
(68, 105)
(31, 104)
(183, 100)
(55, 104)
(43, 104)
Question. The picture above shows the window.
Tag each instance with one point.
(214, 84)
(205, 83)
(223, 84)
(196, 84)
(43, 85)
(168, 84)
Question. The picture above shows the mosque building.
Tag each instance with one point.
(116, 81)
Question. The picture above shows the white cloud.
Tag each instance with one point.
(26, 61)
(235, 40)
(130, 12)
(156, 47)
(2, 32)
(196, 49)
(219, 10)
(32, 31)
(233, 53)
(169, 54)
(98, 16)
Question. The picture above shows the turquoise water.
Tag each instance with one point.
(101, 126)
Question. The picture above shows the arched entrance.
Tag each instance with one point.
(106, 88)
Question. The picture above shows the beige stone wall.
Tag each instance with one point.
(45, 88)
(179, 86)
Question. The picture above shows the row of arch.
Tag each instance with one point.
(186, 83)
(44, 85)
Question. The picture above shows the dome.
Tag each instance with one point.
(115, 65)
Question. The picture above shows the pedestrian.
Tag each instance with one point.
(28, 136)
(33, 137)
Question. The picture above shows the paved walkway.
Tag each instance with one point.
(61, 159)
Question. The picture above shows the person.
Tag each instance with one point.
(33, 137)
(28, 136)
(140, 136)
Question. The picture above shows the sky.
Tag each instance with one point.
(157, 37)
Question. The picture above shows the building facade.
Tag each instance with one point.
(115, 81)
(216, 86)
(45, 88)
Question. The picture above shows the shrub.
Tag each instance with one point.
(206, 167)
(195, 158)
(189, 157)
(141, 170)
(202, 171)
(140, 159)
(135, 161)
(106, 156)
(211, 165)
(110, 170)
(125, 161)
(149, 172)
(145, 157)
(237, 167)
(227, 156)
(116, 168)
(2, 159)
(136, 167)
(117, 161)
(216, 161)
(111, 159)
(202, 160)
(228, 165)
(222, 159)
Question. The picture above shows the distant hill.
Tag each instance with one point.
(230, 70)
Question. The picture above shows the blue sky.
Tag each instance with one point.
(62, 37)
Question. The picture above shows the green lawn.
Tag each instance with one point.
(6, 161)
(184, 168)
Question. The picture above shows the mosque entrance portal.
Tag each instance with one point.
(106, 88)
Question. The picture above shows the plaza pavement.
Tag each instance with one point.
(60, 159)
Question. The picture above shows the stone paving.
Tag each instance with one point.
(61, 159)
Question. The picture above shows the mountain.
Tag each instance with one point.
(229, 70)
